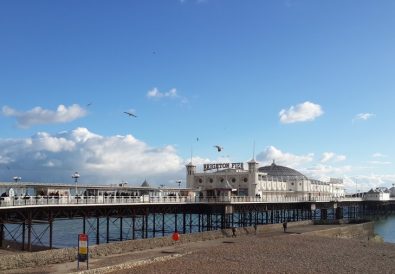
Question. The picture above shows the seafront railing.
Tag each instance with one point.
(23, 201)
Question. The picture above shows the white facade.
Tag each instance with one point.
(254, 183)
(378, 194)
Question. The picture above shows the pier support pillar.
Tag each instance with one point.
(190, 223)
(153, 225)
(134, 226)
(175, 222)
(163, 224)
(1, 234)
(50, 233)
(324, 214)
(339, 213)
(23, 235)
(120, 228)
(108, 230)
(184, 222)
(146, 223)
(29, 235)
(97, 230)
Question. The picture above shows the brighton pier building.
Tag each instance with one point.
(272, 182)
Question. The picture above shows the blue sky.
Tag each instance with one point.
(310, 82)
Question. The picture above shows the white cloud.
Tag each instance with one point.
(378, 155)
(363, 116)
(379, 162)
(155, 93)
(38, 115)
(331, 156)
(282, 158)
(99, 159)
(306, 111)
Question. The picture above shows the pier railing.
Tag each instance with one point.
(23, 201)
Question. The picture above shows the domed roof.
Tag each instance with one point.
(281, 171)
(145, 184)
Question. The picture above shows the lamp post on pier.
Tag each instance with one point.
(75, 176)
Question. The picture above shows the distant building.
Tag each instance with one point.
(231, 179)
(377, 194)
(392, 191)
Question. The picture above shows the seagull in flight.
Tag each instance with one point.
(219, 148)
(130, 114)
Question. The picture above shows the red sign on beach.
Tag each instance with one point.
(82, 250)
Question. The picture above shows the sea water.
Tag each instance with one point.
(385, 228)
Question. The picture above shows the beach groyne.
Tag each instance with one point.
(361, 231)
(54, 256)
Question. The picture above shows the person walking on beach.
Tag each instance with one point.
(285, 224)
(233, 232)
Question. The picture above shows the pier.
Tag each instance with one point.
(140, 217)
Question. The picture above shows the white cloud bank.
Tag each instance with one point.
(304, 112)
(366, 182)
(98, 159)
(39, 116)
(326, 167)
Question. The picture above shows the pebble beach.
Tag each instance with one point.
(286, 253)
(297, 251)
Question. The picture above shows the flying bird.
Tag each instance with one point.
(89, 104)
(219, 148)
(130, 114)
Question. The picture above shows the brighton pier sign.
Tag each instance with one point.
(222, 165)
